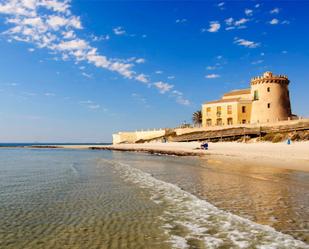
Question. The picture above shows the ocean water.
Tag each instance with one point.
(103, 199)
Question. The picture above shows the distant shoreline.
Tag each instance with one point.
(281, 155)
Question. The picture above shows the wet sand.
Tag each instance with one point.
(294, 156)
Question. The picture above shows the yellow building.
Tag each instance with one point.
(266, 101)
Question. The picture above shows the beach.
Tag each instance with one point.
(294, 156)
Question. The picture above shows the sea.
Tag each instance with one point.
(106, 199)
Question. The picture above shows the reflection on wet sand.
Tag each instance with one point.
(266, 195)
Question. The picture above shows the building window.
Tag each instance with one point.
(229, 121)
(268, 89)
(218, 111)
(243, 121)
(208, 111)
(229, 109)
(256, 95)
(243, 109)
(268, 105)
(219, 121)
(208, 122)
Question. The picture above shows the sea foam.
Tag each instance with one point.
(191, 221)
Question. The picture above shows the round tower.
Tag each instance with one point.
(271, 100)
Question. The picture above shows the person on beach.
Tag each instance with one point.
(204, 146)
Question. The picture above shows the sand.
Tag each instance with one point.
(294, 156)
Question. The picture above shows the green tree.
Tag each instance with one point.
(197, 118)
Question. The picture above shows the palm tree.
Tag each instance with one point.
(197, 117)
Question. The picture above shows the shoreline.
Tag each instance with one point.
(280, 155)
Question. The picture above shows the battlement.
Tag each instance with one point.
(268, 77)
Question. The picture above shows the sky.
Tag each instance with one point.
(78, 71)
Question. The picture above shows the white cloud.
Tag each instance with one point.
(230, 28)
(84, 102)
(285, 22)
(56, 22)
(77, 44)
(119, 31)
(248, 12)
(31, 49)
(12, 84)
(211, 67)
(246, 43)
(180, 99)
(275, 11)
(214, 26)
(49, 94)
(233, 24)
(221, 5)
(100, 38)
(257, 62)
(142, 78)
(274, 21)
(163, 87)
(212, 76)
(241, 21)
(69, 34)
(183, 20)
(171, 77)
(140, 60)
(229, 21)
(89, 76)
(257, 5)
(50, 24)
(159, 72)
(94, 107)
(90, 104)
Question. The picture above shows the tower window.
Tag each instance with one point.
(243, 108)
(268, 89)
(268, 105)
(256, 95)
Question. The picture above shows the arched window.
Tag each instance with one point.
(268, 89)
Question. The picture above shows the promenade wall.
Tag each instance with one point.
(140, 136)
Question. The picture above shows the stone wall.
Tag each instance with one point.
(133, 137)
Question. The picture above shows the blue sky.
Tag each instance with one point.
(80, 70)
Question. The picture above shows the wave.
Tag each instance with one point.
(192, 222)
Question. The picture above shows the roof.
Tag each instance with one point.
(223, 101)
(237, 92)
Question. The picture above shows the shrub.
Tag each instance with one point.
(268, 137)
(277, 138)
(295, 137)
(306, 136)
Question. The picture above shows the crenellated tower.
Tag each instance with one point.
(271, 100)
